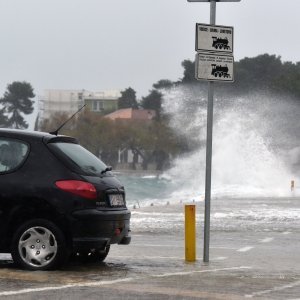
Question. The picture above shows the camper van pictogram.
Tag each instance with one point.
(220, 71)
(220, 43)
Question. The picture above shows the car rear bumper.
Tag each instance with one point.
(95, 229)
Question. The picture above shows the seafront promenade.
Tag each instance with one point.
(252, 256)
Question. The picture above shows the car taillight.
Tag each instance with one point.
(77, 187)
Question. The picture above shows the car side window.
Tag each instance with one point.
(12, 154)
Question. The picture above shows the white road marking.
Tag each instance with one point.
(156, 245)
(163, 257)
(220, 258)
(201, 271)
(148, 257)
(275, 289)
(62, 287)
(245, 249)
(226, 248)
(286, 232)
(109, 282)
(267, 240)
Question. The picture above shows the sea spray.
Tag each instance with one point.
(252, 137)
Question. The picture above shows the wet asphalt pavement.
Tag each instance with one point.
(258, 258)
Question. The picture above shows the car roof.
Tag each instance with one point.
(32, 135)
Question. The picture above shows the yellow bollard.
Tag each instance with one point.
(190, 233)
(292, 185)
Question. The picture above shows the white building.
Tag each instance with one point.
(69, 101)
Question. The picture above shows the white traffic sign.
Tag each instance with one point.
(214, 67)
(214, 38)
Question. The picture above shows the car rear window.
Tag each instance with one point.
(83, 159)
(12, 154)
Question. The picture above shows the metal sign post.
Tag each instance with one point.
(210, 105)
(209, 130)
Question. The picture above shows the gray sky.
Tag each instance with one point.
(113, 44)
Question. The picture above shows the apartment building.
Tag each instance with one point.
(69, 101)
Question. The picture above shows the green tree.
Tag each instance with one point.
(3, 118)
(153, 101)
(189, 71)
(17, 101)
(263, 72)
(258, 72)
(51, 124)
(163, 84)
(128, 99)
(289, 79)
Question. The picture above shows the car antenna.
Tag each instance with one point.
(61, 126)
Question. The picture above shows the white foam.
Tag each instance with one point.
(245, 161)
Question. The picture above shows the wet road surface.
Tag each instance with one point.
(257, 258)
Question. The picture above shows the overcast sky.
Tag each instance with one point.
(113, 44)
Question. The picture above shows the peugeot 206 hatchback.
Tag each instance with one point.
(57, 200)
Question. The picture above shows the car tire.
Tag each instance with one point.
(39, 245)
(91, 256)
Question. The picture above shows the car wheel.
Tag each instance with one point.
(39, 245)
(91, 256)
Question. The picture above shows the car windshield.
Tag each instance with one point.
(84, 159)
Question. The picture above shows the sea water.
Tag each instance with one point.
(256, 155)
(256, 149)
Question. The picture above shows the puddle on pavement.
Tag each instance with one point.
(72, 273)
(78, 272)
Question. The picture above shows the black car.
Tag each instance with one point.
(57, 200)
